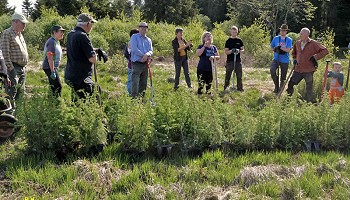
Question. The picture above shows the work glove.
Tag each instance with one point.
(295, 62)
(314, 61)
(102, 54)
(53, 75)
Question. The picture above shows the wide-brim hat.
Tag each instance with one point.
(284, 27)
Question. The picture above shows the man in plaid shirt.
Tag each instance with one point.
(14, 50)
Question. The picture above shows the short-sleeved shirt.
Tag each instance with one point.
(79, 50)
(287, 43)
(234, 43)
(204, 62)
(52, 45)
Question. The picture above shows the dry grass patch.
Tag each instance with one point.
(253, 175)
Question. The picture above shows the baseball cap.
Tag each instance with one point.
(84, 17)
(143, 24)
(20, 17)
(57, 28)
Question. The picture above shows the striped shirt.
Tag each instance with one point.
(14, 48)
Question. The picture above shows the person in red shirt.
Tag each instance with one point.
(306, 52)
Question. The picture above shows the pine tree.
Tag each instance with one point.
(27, 8)
(5, 8)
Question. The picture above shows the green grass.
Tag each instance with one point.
(114, 174)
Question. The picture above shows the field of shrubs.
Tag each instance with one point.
(248, 144)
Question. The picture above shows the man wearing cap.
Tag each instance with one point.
(281, 45)
(80, 58)
(180, 47)
(306, 52)
(53, 54)
(14, 50)
(141, 51)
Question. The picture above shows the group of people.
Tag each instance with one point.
(305, 53)
(82, 56)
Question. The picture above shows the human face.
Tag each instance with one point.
(19, 26)
(179, 34)
(234, 32)
(143, 30)
(337, 68)
(58, 35)
(304, 35)
(89, 27)
(209, 38)
(283, 32)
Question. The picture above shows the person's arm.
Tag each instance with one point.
(5, 47)
(89, 51)
(322, 51)
(288, 45)
(294, 51)
(200, 51)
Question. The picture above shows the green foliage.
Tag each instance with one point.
(256, 42)
(52, 124)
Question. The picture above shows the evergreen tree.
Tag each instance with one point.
(27, 8)
(171, 11)
(5, 8)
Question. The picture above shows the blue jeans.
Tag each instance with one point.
(129, 82)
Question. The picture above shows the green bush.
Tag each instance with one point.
(52, 124)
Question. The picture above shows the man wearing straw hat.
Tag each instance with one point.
(281, 45)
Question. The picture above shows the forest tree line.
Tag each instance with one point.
(317, 15)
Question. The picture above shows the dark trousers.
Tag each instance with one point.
(139, 79)
(181, 62)
(204, 78)
(295, 80)
(230, 67)
(82, 90)
(284, 69)
(55, 85)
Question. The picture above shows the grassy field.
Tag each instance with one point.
(209, 174)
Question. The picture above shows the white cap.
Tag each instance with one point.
(20, 17)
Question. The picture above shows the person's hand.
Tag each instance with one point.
(144, 58)
(207, 43)
(235, 51)
(53, 75)
(314, 61)
(189, 43)
(295, 62)
(102, 54)
(211, 58)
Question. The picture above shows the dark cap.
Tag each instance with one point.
(84, 17)
(178, 30)
(57, 28)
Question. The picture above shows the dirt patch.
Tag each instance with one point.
(254, 175)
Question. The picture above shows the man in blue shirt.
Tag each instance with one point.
(141, 51)
(281, 45)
